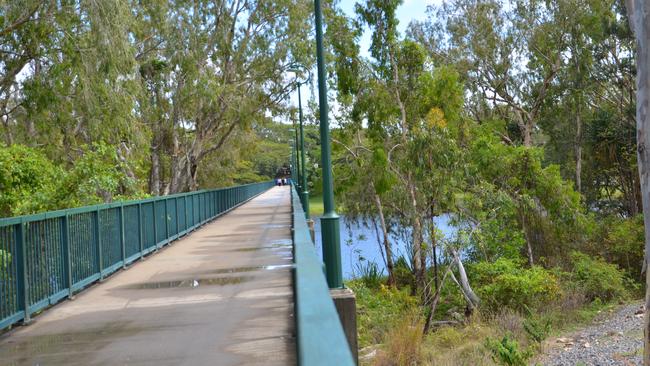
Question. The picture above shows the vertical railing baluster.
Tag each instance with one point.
(155, 225)
(166, 201)
(187, 224)
(140, 233)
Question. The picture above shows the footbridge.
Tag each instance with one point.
(216, 277)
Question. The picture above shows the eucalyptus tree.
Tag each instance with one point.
(638, 14)
(510, 56)
(213, 70)
(403, 136)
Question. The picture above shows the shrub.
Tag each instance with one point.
(506, 352)
(597, 278)
(505, 283)
(623, 243)
(369, 273)
(379, 309)
(403, 273)
(28, 181)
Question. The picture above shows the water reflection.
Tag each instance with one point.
(359, 241)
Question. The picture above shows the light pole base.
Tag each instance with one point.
(305, 202)
(331, 239)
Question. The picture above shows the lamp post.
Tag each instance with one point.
(297, 157)
(304, 194)
(294, 162)
(331, 236)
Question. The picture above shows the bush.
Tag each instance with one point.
(623, 244)
(403, 274)
(506, 352)
(369, 273)
(505, 283)
(598, 279)
(379, 310)
(28, 181)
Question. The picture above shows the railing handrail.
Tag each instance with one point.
(320, 337)
(49, 256)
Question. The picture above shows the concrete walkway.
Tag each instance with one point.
(220, 296)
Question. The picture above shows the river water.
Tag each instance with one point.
(359, 244)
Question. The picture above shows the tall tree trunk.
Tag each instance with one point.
(638, 11)
(578, 151)
(154, 176)
(387, 246)
(529, 244)
(418, 264)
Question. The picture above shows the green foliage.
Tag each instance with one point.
(598, 279)
(506, 283)
(506, 352)
(379, 309)
(369, 273)
(537, 329)
(621, 241)
(28, 181)
(97, 176)
(403, 273)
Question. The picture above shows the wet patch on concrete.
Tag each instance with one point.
(64, 348)
(275, 226)
(189, 283)
(252, 269)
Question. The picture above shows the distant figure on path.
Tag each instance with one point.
(284, 181)
(278, 182)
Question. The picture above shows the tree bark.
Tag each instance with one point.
(578, 151)
(154, 176)
(418, 264)
(640, 24)
(387, 246)
(473, 300)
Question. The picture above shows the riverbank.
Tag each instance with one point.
(390, 323)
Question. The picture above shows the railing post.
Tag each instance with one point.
(140, 231)
(178, 230)
(166, 221)
(98, 240)
(122, 238)
(67, 260)
(155, 225)
(22, 280)
(187, 224)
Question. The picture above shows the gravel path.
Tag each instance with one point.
(613, 339)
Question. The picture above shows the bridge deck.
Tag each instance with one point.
(220, 296)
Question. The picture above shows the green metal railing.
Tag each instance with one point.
(320, 337)
(47, 257)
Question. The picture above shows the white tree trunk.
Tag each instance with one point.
(640, 24)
